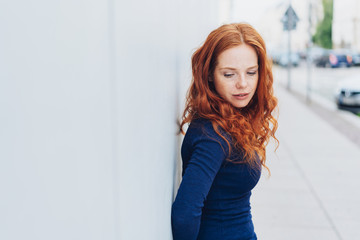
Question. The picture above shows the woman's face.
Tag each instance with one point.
(236, 75)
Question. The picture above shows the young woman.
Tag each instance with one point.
(229, 108)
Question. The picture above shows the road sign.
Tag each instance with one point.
(289, 19)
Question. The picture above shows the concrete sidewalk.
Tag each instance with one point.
(314, 188)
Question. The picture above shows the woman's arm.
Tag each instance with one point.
(205, 162)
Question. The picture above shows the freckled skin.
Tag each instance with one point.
(236, 75)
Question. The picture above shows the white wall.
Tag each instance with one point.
(89, 95)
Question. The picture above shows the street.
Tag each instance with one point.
(323, 80)
(323, 85)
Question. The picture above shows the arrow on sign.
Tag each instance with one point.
(290, 19)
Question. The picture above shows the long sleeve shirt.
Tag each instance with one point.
(213, 200)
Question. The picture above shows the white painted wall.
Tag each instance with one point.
(89, 95)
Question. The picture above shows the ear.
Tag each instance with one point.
(211, 79)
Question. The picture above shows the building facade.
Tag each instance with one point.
(346, 24)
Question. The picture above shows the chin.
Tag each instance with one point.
(242, 105)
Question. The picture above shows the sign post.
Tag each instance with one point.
(289, 21)
(309, 58)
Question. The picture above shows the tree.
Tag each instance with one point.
(323, 34)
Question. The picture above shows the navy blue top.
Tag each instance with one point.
(213, 200)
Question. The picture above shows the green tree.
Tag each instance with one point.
(323, 34)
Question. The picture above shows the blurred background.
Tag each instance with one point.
(91, 93)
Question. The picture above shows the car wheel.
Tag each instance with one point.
(338, 106)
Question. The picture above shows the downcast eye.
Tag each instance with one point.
(228, 75)
(252, 73)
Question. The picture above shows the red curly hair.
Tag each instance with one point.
(250, 127)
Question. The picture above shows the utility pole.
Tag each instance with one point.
(289, 63)
(355, 43)
(309, 57)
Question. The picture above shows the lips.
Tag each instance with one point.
(241, 96)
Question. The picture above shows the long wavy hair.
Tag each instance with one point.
(251, 127)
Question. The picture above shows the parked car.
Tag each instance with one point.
(284, 59)
(315, 53)
(355, 56)
(334, 58)
(348, 92)
(275, 55)
(355, 59)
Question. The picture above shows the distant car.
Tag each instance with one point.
(334, 59)
(355, 59)
(348, 92)
(355, 56)
(315, 53)
(284, 59)
(275, 56)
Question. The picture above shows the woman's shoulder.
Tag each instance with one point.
(202, 128)
(202, 135)
(200, 125)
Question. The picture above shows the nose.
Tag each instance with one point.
(241, 82)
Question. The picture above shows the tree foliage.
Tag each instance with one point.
(323, 34)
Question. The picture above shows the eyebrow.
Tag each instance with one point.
(232, 68)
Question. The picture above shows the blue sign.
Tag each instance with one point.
(289, 19)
